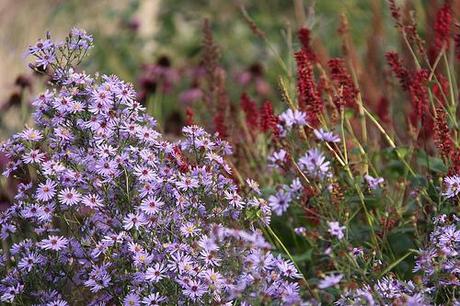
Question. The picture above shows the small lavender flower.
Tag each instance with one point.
(55, 243)
(373, 183)
(336, 230)
(330, 280)
(280, 202)
(46, 190)
(315, 164)
(300, 230)
(292, 118)
(326, 136)
(452, 184)
(69, 196)
(277, 158)
(132, 299)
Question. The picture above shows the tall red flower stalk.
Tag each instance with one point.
(304, 36)
(398, 69)
(309, 99)
(442, 137)
(268, 119)
(395, 12)
(219, 125)
(189, 116)
(442, 26)
(418, 91)
(382, 109)
(250, 110)
(348, 92)
(457, 41)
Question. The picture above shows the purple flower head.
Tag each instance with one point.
(336, 230)
(452, 184)
(293, 118)
(55, 243)
(315, 164)
(326, 136)
(330, 280)
(373, 183)
(280, 202)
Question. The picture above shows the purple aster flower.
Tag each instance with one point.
(372, 182)
(31, 135)
(28, 262)
(291, 118)
(69, 196)
(34, 156)
(326, 136)
(45, 58)
(194, 289)
(92, 201)
(288, 269)
(336, 230)
(315, 164)
(154, 299)
(330, 280)
(40, 46)
(280, 202)
(151, 205)
(133, 221)
(277, 158)
(46, 191)
(132, 299)
(156, 273)
(357, 252)
(186, 183)
(144, 173)
(189, 229)
(452, 184)
(55, 243)
(300, 230)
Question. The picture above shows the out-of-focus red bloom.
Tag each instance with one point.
(398, 69)
(442, 25)
(189, 116)
(304, 36)
(440, 90)
(268, 119)
(457, 42)
(395, 12)
(442, 138)
(382, 109)
(250, 109)
(455, 166)
(309, 99)
(344, 82)
(418, 91)
(219, 124)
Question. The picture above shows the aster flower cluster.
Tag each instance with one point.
(108, 212)
(60, 56)
(438, 263)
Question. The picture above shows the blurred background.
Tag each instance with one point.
(140, 39)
